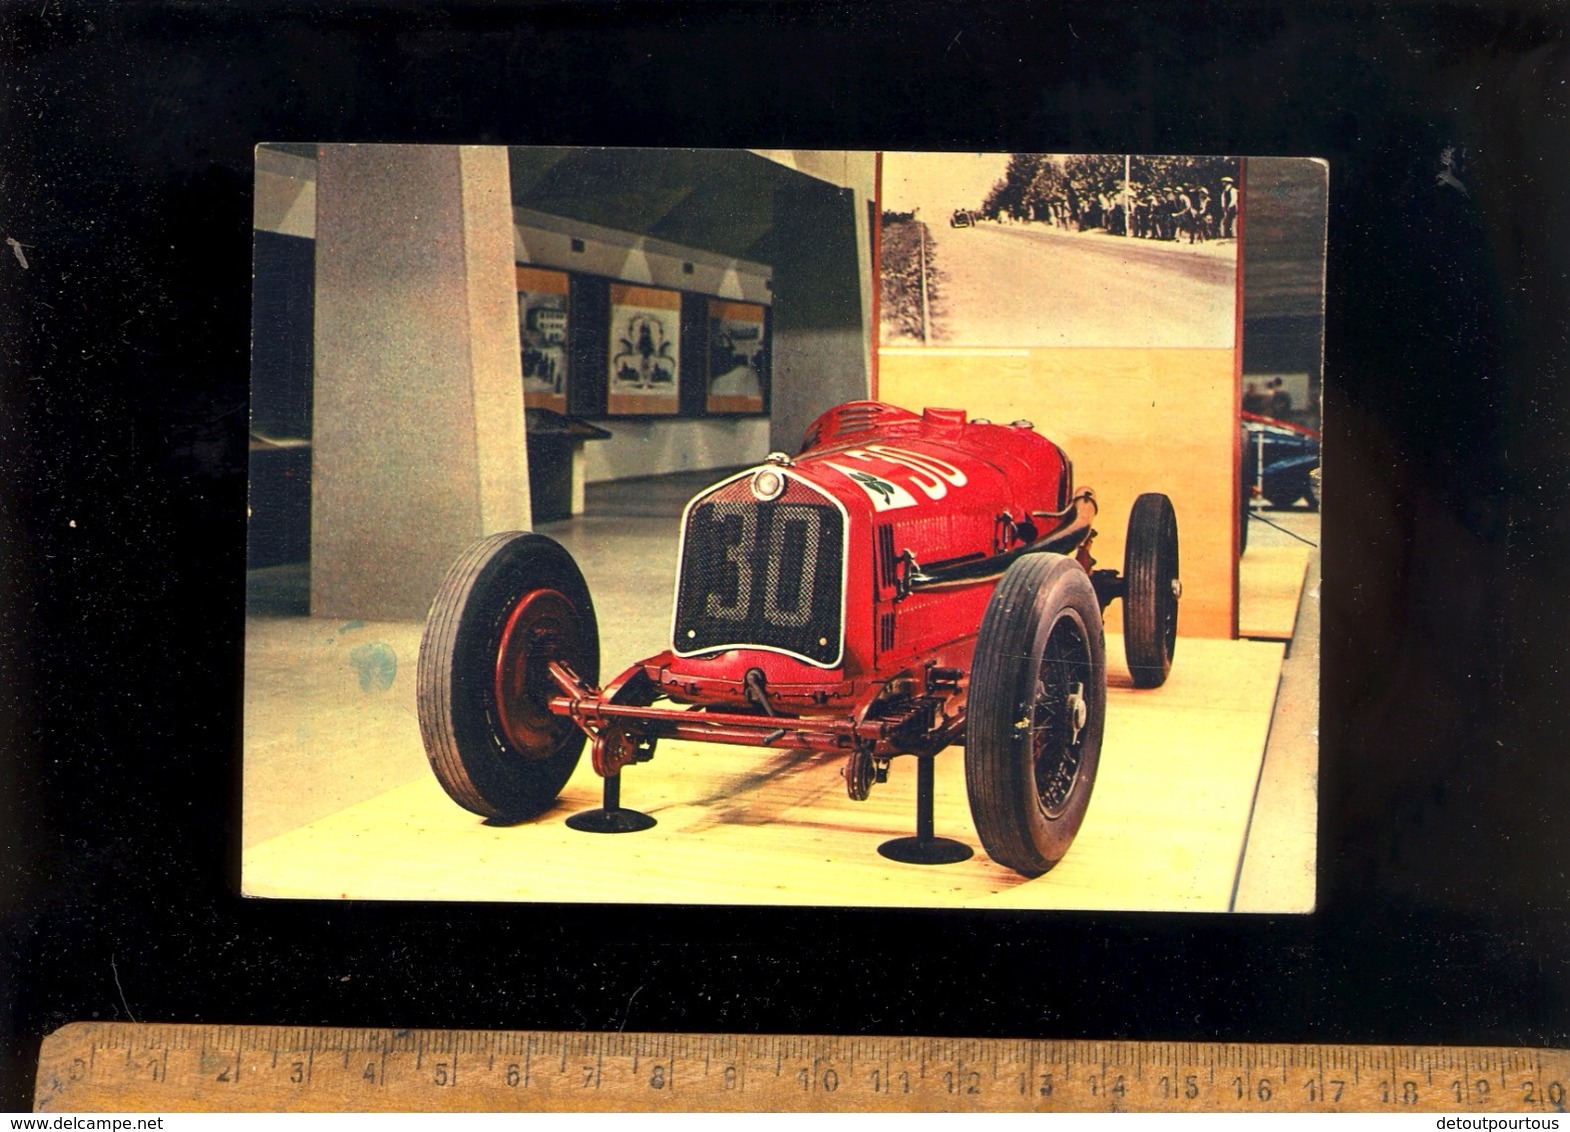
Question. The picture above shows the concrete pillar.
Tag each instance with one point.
(418, 443)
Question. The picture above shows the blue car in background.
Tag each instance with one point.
(1279, 461)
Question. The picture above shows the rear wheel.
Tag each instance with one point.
(1284, 492)
(512, 603)
(1037, 704)
(1151, 590)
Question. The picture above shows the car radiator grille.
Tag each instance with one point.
(762, 575)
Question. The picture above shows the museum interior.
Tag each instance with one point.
(453, 341)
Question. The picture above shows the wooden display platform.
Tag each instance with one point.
(1270, 588)
(739, 825)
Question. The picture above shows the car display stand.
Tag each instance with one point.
(610, 817)
(925, 848)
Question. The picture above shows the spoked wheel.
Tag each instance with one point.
(1151, 590)
(509, 606)
(1037, 704)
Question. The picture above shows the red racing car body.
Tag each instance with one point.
(904, 583)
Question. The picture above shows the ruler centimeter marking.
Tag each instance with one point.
(154, 1067)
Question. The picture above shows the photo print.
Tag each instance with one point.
(645, 350)
(738, 357)
(1051, 249)
(542, 335)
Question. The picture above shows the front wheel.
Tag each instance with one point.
(1151, 590)
(510, 605)
(1037, 704)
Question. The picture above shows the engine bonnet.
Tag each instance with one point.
(773, 558)
(894, 464)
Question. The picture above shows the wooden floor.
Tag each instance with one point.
(1270, 587)
(1165, 830)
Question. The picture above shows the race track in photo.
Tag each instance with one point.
(1016, 285)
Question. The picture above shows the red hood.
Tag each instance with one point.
(903, 466)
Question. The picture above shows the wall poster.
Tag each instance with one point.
(542, 333)
(645, 350)
(737, 357)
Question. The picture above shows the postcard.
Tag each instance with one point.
(784, 527)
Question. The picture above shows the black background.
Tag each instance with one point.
(128, 131)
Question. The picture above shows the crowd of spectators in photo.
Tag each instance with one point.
(1173, 212)
(1271, 401)
(1189, 200)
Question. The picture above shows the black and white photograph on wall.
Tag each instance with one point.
(542, 337)
(738, 357)
(645, 350)
(1098, 249)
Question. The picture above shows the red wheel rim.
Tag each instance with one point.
(543, 626)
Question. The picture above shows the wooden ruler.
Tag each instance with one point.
(174, 1068)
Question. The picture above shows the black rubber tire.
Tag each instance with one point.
(457, 699)
(1284, 494)
(1150, 597)
(1040, 636)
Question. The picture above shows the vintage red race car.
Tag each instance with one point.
(902, 584)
